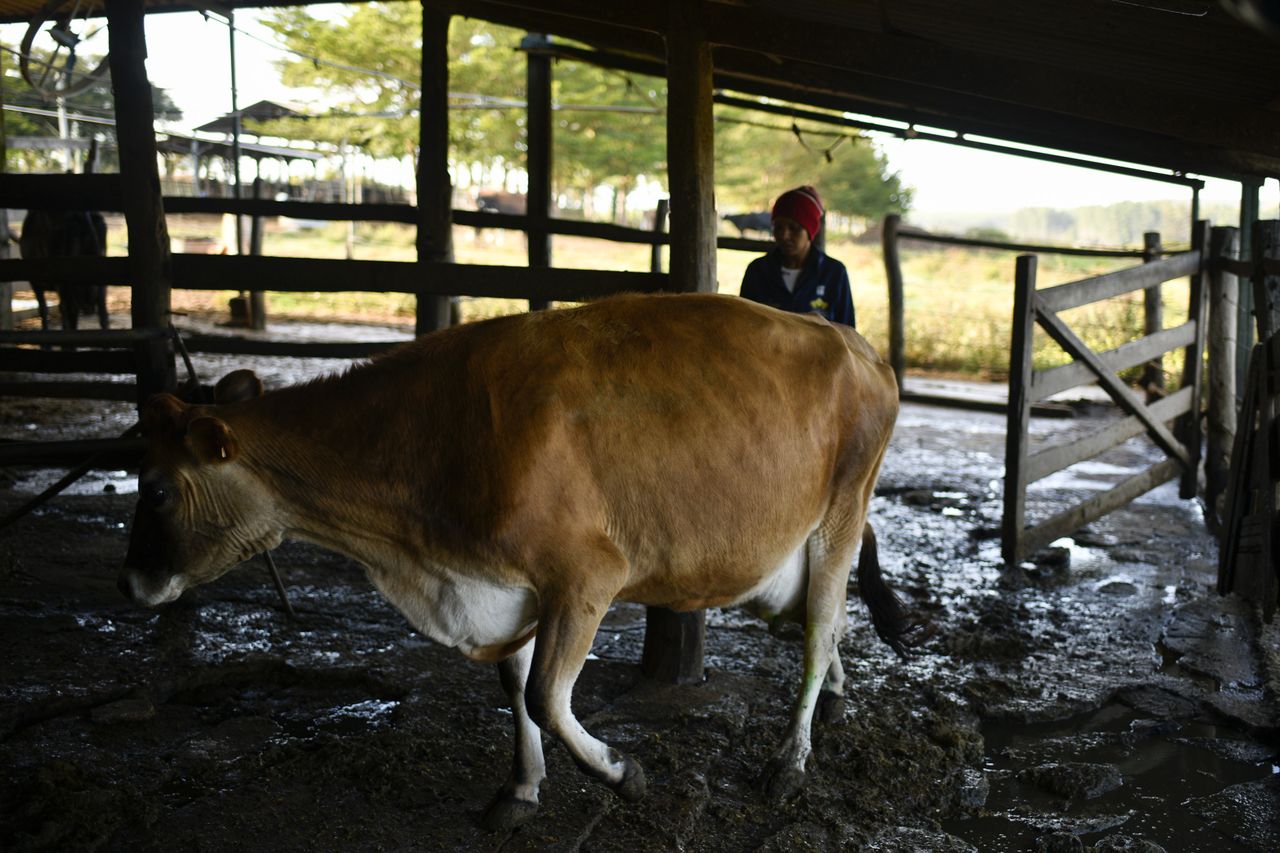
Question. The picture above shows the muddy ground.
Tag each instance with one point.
(1102, 697)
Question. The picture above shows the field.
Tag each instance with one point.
(959, 302)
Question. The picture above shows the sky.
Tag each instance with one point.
(188, 57)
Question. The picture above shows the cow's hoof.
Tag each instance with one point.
(782, 782)
(506, 812)
(830, 707)
(633, 784)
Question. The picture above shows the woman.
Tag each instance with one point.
(797, 275)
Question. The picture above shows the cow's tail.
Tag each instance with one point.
(888, 616)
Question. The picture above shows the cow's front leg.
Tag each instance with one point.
(517, 800)
(828, 576)
(567, 624)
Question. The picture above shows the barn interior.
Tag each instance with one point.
(1095, 694)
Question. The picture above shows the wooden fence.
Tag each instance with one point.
(1181, 444)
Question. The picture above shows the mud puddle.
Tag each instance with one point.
(1185, 786)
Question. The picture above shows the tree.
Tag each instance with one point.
(97, 101)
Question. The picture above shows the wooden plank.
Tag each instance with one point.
(323, 275)
(226, 345)
(1077, 293)
(1073, 251)
(1119, 392)
(659, 225)
(55, 361)
(1152, 314)
(1238, 493)
(435, 189)
(81, 270)
(327, 211)
(1051, 459)
(1266, 288)
(1046, 383)
(897, 302)
(1224, 288)
(1067, 522)
(63, 192)
(71, 390)
(539, 154)
(143, 205)
(691, 161)
(1018, 421)
(1188, 429)
(118, 338)
(113, 450)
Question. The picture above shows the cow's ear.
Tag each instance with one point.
(162, 413)
(211, 440)
(237, 386)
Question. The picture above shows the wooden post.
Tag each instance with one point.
(673, 642)
(257, 299)
(6, 287)
(1266, 288)
(1249, 206)
(1189, 430)
(539, 130)
(150, 265)
(690, 150)
(659, 225)
(1152, 317)
(1224, 288)
(897, 311)
(1019, 417)
(435, 192)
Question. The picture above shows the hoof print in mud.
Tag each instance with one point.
(507, 812)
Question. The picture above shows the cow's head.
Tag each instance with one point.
(200, 510)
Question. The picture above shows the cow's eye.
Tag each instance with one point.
(155, 495)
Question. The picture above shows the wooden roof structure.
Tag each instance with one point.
(1182, 85)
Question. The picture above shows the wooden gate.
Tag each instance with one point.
(1181, 442)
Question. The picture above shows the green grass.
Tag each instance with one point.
(958, 312)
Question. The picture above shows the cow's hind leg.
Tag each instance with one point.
(517, 800)
(568, 618)
(831, 697)
(831, 550)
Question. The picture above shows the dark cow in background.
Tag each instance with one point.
(67, 233)
(501, 201)
(744, 222)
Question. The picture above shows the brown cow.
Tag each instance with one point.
(512, 478)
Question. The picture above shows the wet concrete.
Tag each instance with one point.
(1101, 697)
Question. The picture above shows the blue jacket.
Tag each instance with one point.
(823, 286)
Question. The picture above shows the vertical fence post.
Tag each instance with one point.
(538, 199)
(257, 298)
(659, 225)
(1224, 288)
(1266, 288)
(435, 191)
(6, 287)
(893, 272)
(1152, 317)
(1021, 351)
(1190, 433)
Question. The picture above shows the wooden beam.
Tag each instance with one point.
(226, 345)
(1053, 459)
(1224, 288)
(115, 271)
(324, 275)
(1055, 380)
(1019, 417)
(435, 191)
(62, 191)
(1088, 290)
(539, 136)
(1071, 520)
(1118, 391)
(897, 302)
(143, 205)
(53, 361)
(690, 150)
(122, 391)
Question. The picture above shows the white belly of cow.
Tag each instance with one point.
(782, 592)
(459, 611)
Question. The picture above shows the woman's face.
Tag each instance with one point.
(793, 241)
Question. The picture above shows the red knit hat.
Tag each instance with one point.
(802, 205)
